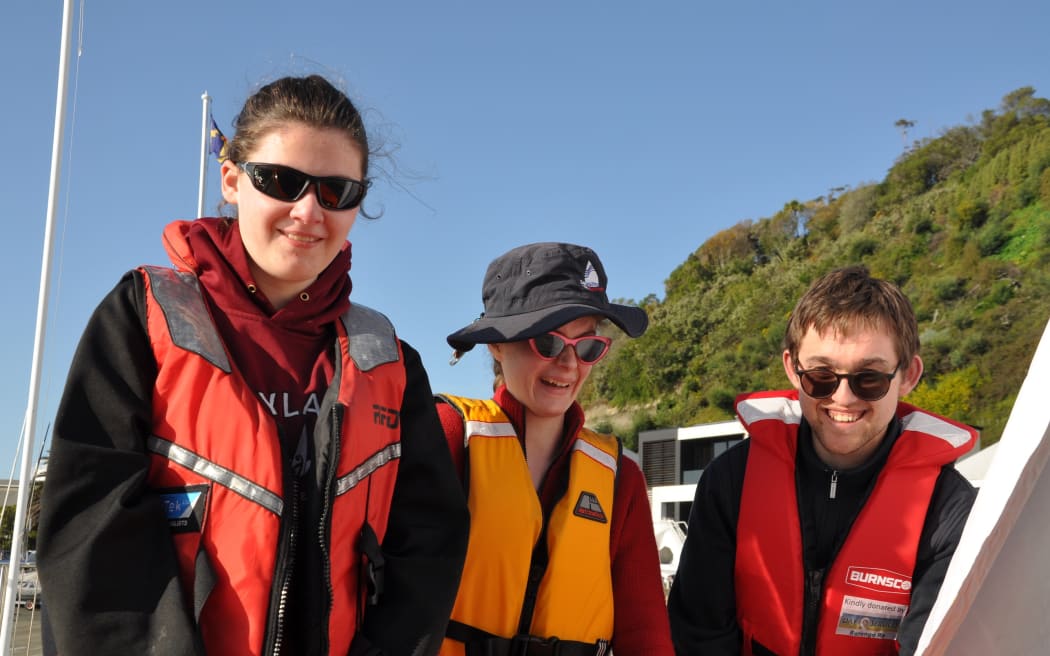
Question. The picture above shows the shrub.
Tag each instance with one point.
(970, 214)
(949, 288)
(992, 238)
(861, 247)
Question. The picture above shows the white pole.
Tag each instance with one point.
(205, 130)
(25, 479)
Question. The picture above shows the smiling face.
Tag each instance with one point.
(847, 430)
(290, 244)
(547, 388)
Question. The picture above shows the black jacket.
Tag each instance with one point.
(702, 602)
(105, 553)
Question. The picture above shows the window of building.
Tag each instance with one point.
(696, 455)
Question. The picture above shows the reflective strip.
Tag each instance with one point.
(788, 411)
(601, 457)
(217, 474)
(487, 429)
(179, 296)
(365, 469)
(372, 338)
(935, 426)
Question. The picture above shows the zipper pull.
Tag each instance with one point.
(834, 483)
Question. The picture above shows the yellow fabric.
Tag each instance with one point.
(574, 601)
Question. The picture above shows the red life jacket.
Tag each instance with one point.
(867, 588)
(216, 463)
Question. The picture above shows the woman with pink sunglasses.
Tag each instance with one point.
(562, 557)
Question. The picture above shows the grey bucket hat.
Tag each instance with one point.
(535, 288)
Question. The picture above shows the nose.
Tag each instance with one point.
(567, 357)
(843, 393)
(307, 209)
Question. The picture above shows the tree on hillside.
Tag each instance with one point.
(904, 125)
(1023, 103)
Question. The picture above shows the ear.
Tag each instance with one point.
(910, 377)
(230, 176)
(789, 368)
(496, 351)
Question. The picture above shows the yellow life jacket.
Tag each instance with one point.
(571, 598)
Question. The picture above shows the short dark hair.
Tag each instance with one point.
(848, 299)
(312, 101)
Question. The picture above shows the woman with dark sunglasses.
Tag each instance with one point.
(562, 556)
(244, 462)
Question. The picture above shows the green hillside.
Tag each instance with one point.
(961, 222)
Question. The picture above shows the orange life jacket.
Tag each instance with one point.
(867, 587)
(216, 463)
(574, 599)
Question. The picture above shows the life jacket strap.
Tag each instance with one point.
(482, 643)
(374, 565)
(204, 580)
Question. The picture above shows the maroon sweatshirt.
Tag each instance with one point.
(284, 355)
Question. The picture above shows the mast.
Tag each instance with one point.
(202, 180)
(25, 480)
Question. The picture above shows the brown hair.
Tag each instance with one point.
(849, 299)
(312, 101)
(497, 374)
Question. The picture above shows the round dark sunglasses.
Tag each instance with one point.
(287, 184)
(589, 348)
(821, 383)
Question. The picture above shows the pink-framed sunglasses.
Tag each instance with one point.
(589, 349)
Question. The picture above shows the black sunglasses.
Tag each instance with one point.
(866, 385)
(589, 348)
(287, 184)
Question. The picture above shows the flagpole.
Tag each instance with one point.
(25, 480)
(206, 103)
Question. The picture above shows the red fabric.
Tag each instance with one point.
(856, 614)
(642, 627)
(238, 436)
(284, 355)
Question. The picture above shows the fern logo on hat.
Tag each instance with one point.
(533, 289)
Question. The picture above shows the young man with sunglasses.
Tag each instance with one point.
(562, 557)
(830, 530)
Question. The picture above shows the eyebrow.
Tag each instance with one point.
(867, 362)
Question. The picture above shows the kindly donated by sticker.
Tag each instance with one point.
(870, 618)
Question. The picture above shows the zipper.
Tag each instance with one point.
(814, 595)
(323, 529)
(285, 566)
(834, 483)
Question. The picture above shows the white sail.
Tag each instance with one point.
(996, 595)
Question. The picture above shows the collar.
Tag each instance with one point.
(515, 411)
(213, 250)
(810, 462)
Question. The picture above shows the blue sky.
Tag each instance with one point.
(639, 129)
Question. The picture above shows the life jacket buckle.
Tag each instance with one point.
(529, 645)
(375, 563)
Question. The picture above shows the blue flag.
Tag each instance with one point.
(217, 141)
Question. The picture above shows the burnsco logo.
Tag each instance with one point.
(587, 506)
(876, 578)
